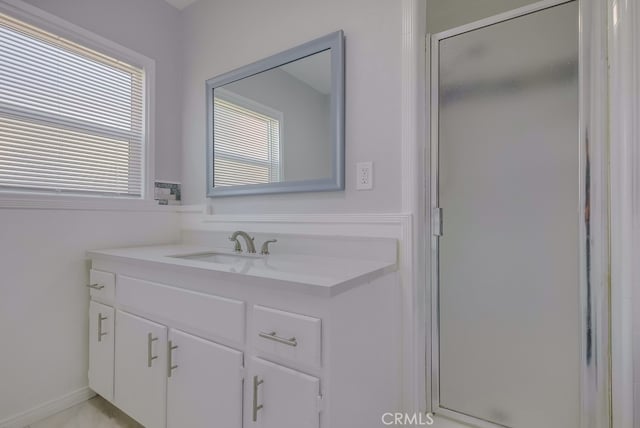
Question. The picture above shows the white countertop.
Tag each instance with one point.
(313, 274)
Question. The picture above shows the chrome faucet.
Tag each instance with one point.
(265, 247)
(249, 240)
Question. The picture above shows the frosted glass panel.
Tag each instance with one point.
(508, 159)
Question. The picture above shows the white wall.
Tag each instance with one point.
(43, 297)
(149, 27)
(221, 35)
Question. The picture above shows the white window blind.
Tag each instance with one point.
(247, 145)
(71, 119)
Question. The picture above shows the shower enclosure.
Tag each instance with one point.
(517, 318)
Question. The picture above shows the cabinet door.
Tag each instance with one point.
(101, 339)
(278, 397)
(205, 386)
(141, 369)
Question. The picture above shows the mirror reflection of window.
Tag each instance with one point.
(277, 125)
(247, 135)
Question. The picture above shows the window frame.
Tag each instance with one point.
(65, 29)
(258, 108)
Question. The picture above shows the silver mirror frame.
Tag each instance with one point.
(333, 42)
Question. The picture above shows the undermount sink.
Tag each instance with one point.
(221, 258)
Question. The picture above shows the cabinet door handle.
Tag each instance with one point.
(256, 407)
(150, 356)
(95, 286)
(273, 336)
(100, 332)
(170, 365)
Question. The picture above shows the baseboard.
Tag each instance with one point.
(47, 409)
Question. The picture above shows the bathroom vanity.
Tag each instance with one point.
(194, 336)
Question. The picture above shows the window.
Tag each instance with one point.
(257, 159)
(72, 120)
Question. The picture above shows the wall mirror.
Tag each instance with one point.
(277, 125)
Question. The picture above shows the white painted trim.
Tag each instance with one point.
(73, 32)
(411, 42)
(192, 209)
(81, 203)
(413, 325)
(47, 409)
(370, 225)
(413, 144)
(347, 218)
(149, 149)
(624, 54)
(60, 27)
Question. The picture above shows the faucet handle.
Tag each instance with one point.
(237, 247)
(265, 247)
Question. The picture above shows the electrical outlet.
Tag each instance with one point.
(364, 176)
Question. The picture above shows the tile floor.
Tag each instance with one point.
(98, 413)
(95, 413)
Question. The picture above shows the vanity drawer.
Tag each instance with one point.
(287, 335)
(201, 314)
(102, 286)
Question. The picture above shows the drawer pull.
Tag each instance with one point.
(256, 407)
(170, 366)
(273, 336)
(100, 332)
(150, 356)
(95, 286)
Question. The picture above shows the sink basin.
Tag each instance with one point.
(221, 258)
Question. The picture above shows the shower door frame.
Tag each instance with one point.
(594, 275)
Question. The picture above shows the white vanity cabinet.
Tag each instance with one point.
(282, 397)
(101, 332)
(195, 347)
(288, 336)
(102, 286)
(141, 369)
(101, 347)
(197, 381)
(204, 386)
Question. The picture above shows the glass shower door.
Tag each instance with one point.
(508, 338)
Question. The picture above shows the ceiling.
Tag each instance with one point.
(180, 4)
